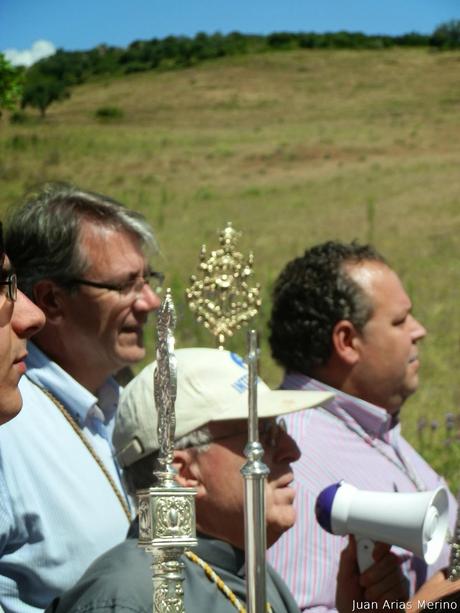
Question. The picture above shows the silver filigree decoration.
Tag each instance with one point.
(165, 380)
(144, 518)
(174, 516)
(220, 295)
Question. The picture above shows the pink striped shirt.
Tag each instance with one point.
(353, 440)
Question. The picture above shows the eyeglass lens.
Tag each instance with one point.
(11, 286)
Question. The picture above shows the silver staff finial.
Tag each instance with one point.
(165, 388)
(167, 511)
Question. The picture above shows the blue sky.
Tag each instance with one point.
(83, 24)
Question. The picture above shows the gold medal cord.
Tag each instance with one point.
(87, 444)
(223, 587)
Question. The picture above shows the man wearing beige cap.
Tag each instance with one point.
(211, 433)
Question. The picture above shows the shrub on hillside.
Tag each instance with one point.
(109, 112)
(19, 117)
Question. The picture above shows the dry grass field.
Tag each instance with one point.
(294, 148)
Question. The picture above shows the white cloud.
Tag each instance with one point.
(27, 57)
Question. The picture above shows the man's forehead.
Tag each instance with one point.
(5, 263)
(104, 244)
(380, 283)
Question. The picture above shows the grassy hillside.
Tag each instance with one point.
(294, 148)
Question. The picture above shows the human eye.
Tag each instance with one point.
(401, 319)
(126, 287)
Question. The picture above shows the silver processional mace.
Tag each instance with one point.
(167, 523)
(255, 473)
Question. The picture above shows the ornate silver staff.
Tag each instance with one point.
(166, 511)
(255, 473)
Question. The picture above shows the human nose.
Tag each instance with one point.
(27, 317)
(146, 299)
(418, 331)
(287, 449)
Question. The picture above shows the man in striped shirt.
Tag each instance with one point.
(342, 321)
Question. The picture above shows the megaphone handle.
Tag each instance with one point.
(365, 547)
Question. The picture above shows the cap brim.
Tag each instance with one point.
(274, 403)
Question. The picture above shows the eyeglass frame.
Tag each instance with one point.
(11, 282)
(127, 287)
(271, 430)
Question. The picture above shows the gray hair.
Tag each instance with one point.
(42, 236)
(140, 474)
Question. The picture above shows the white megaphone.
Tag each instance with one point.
(417, 522)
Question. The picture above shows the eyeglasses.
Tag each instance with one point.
(270, 433)
(11, 284)
(132, 287)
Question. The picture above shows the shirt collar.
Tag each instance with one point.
(221, 554)
(76, 398)
(372, 419)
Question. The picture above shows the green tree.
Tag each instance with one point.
(11, 82)
(447, 35)
(42, 90)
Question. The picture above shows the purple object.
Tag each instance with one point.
(323, 506)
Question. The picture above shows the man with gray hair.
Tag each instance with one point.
(83, 259)
(211, 434)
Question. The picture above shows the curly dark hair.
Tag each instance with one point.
(310, 296)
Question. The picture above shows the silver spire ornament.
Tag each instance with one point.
(167, 524)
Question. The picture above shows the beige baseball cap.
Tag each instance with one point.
(211, 386)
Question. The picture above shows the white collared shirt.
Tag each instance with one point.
(57, 509)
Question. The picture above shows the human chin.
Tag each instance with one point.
(281, 514)
(412, 377)
(10, 403)
(278, 522)
(131, 354)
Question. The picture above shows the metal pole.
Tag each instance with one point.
(255, 473)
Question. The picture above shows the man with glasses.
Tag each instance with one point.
(83, 259)
(211, 433)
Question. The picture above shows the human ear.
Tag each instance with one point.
(188, 471)
(345, 341)
(49, 296)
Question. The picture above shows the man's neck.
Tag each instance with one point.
(90, 378)
(345, 384)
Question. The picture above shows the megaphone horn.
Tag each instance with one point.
(417, 521)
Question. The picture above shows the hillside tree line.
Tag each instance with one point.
(50, 79)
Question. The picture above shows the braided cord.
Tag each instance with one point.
(220, 583)
(87, 444)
